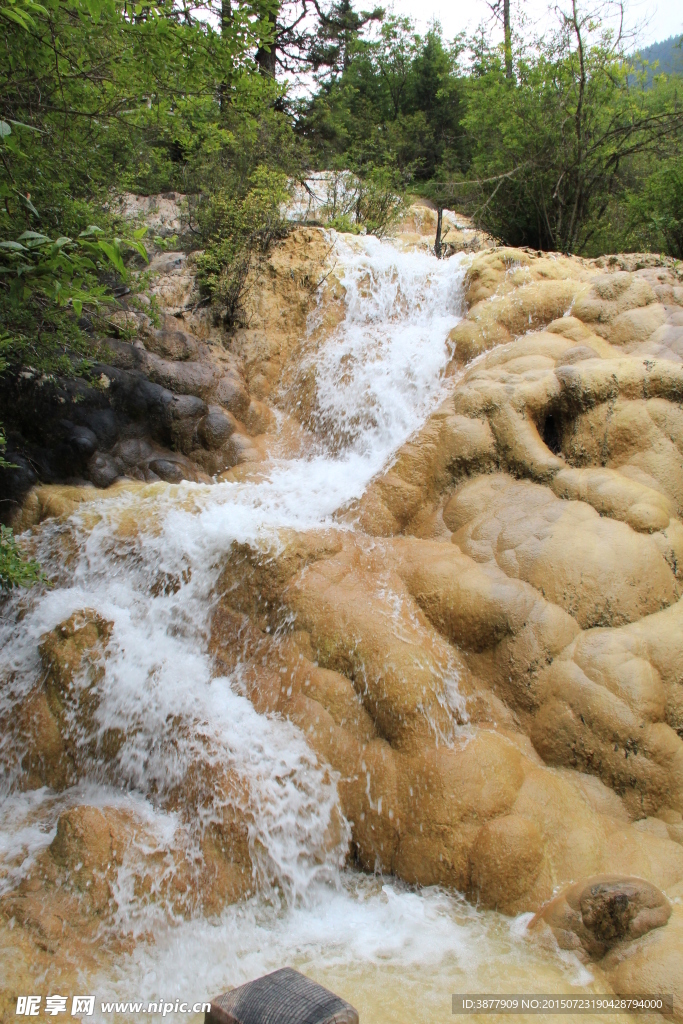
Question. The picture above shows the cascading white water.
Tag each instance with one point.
(377, 379)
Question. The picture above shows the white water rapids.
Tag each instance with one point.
(395, 952)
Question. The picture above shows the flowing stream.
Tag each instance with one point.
(397, 953)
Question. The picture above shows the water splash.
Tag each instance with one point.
(382, 372)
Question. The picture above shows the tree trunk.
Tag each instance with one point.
(437, 241)
(579, 160)
(226, 15)
(266, 59)
(508, 38)
(226, 20)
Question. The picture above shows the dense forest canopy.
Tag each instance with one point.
(569, 152)
(562, 142)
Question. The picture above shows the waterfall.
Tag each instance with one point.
(148, 562)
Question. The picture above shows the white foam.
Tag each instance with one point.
(397, 954)
(26, 829)
(364, 922)
(382, 371)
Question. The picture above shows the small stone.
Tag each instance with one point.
(166, 470)
(103, 470)
(215, 428)
(83, 440)
(604, 911)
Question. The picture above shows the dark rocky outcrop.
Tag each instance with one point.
(161, 407)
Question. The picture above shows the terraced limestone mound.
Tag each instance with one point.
(432, 630)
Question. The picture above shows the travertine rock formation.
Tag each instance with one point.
(531, 558)
(492, 659)
(595, 915)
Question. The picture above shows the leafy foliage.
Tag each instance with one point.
(658, 209)
(397, 104)
(51, 277)
(15, 569)
(239, 230)
(99, 96)
(545, 142)
(560, 136)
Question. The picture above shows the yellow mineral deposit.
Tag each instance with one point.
(397, 699)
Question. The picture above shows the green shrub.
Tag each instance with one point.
(658, 209)
(239, 229)
(380, 201)
(16, 570)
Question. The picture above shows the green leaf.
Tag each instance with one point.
(33, 6)
(22, 124)
(4, 129)
(14, 246)
(24, 20)
(26, 201)
(139, 247)
(92, 229)
(33, 236)
(11, 143)
(113, 254)
(77, 306)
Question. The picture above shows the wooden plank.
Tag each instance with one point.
(283, 997)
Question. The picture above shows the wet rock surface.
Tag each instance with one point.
(595, 915)
(172, 388)
(484, 650)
